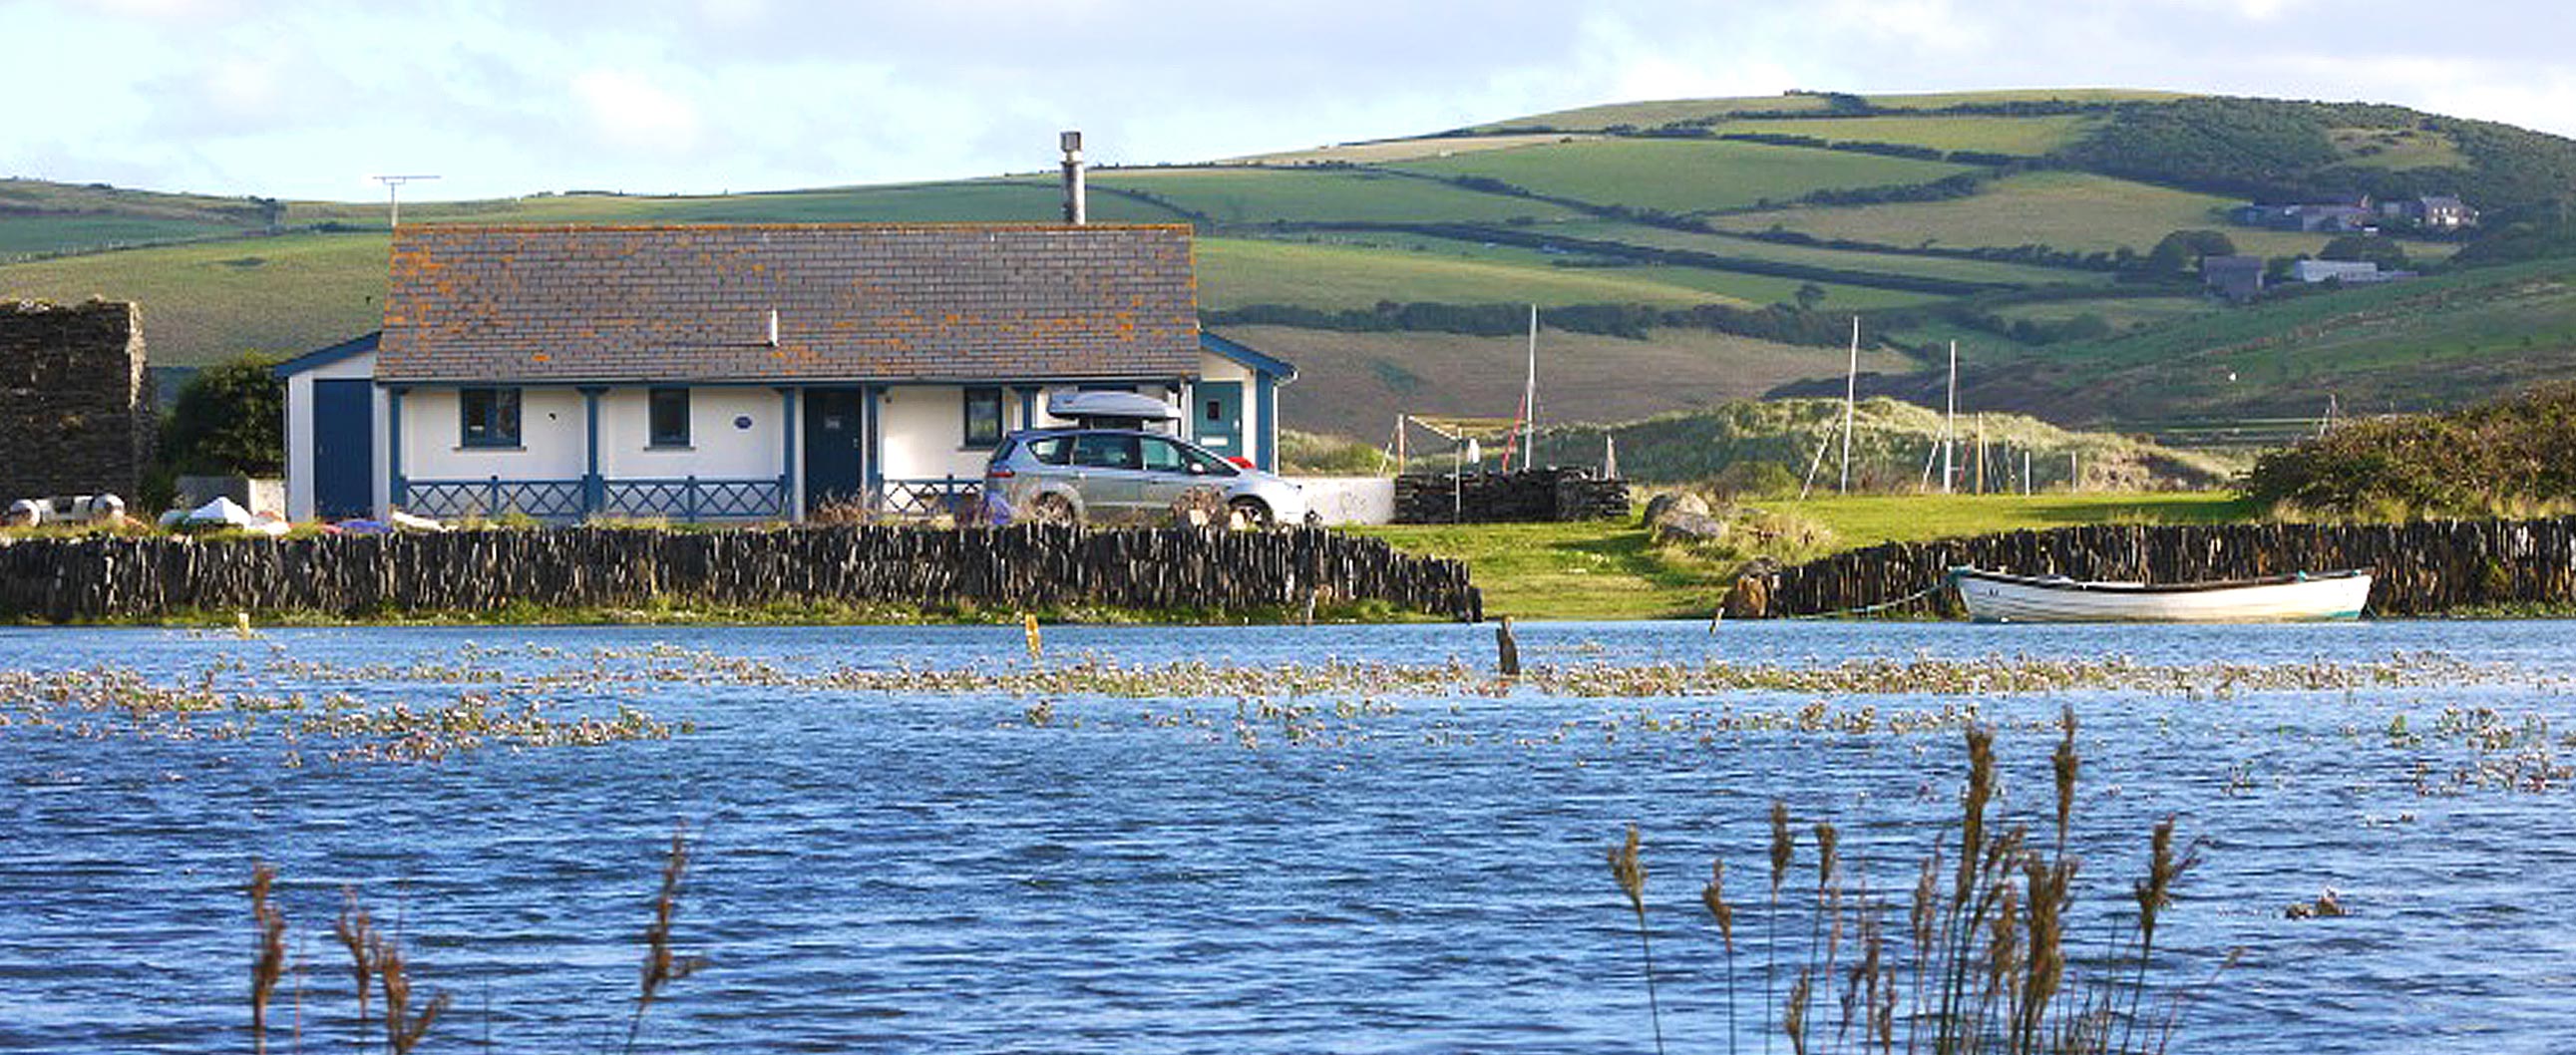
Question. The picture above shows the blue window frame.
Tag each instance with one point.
(487, 417)
(670, 417)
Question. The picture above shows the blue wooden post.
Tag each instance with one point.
(1028, 408)
(492, 508)
(689, 500)
(787, 454)
(594, 490)
(874, 398)
(396, 486)
(1265, 402)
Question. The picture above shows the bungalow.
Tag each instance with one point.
(746, 372)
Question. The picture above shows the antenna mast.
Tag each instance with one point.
(393, 196)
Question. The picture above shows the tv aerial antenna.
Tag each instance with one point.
(393, 196)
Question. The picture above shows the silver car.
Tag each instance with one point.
(1081, 475)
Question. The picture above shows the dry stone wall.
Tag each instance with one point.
(1529, 496)
(75, 400)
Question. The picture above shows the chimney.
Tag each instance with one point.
(1074, 211)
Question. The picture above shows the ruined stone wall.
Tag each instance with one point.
(74, 399)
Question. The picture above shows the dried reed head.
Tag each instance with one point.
(403, 1030)
(1793, 1020)
(269, 963)
(1972, 821)
(2164, 868)
(356, 932)
(1783, 845)
(1714, 896)
(661, 967)
(2049, 900)
(1826, 861)
(1926, 910)
(1630, 872)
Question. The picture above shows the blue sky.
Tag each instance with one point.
(306, 99)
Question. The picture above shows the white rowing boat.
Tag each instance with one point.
(1994, 597)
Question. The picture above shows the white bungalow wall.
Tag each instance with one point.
(552, 439)
(921, 433)
(734, 434)
(299, 431)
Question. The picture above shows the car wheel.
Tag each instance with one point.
(1052, 509)
(1255, 514)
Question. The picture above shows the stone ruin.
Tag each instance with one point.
(76, 412)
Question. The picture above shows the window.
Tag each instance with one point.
(670, 417)
(1162, 457)
(488, 417)
(983, 417)
(1104, 450)
(1053, 450)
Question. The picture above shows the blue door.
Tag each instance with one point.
(344, 448)
(836, 439)
(1219, 419)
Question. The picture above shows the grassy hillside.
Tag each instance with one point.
(2018, 222)
(1681, 176)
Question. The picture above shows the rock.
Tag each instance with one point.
(1675, 526)
(1669, 502)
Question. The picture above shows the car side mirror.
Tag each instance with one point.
(1197, 470)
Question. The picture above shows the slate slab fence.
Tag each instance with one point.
(2425, 568)
(69, 579)
(1527, 496)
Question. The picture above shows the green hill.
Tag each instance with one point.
(1689, 252)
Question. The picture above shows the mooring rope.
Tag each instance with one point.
(1866, 609)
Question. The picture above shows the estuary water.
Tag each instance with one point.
(978, 865)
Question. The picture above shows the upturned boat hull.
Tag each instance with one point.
(1993, 597)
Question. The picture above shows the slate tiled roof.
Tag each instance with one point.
(854, 302)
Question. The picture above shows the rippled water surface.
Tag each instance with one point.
(910, 871)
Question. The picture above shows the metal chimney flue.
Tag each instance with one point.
(1075, 210)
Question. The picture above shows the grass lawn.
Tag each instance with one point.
(1608, 570)
(1666, 111)
(1683, 176)
(1821, 256)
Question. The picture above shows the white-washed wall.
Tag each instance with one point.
(719, 448)
(552, 439)
(922, 433)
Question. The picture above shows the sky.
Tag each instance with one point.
(307, 99)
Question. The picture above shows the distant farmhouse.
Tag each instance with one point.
(747, 372)
(2357, 214)
(2239, 279)
(75, 400)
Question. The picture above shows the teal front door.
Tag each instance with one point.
(1219, 418)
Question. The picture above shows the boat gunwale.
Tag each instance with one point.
(2075, 585)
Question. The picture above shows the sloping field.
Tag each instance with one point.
(1354, 384)
(1726, 285)
(1667, 111)
(2024, 136)
(1248, 195)
(2397, 148)
(2073, 211)
(206, 302)
(1237, 271)
(2427, 343)
(1818, 256)
(1684, 176)
(1393, 150)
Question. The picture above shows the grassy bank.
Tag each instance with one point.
(1613, 570)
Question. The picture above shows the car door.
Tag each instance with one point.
(1108, 474)
(1168, 471)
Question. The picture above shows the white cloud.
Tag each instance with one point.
(626, 108)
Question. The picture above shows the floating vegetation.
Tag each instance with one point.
(116, 703)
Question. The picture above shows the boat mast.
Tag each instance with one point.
(1851, 385)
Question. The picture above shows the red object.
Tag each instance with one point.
(1239, 461)
(999, 473)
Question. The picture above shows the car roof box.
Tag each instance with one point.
(1109, 409)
